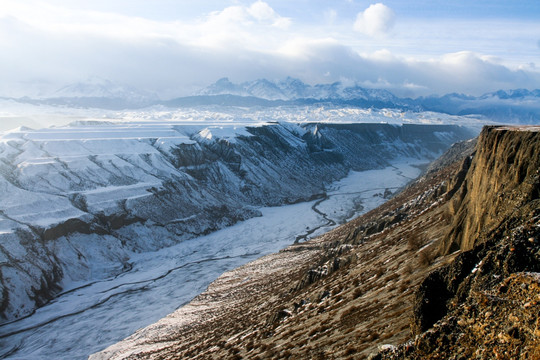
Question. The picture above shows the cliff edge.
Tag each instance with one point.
(485, 303)
(502, 183)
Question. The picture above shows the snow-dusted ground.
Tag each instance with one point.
(14, 114)
(88, 317)
(74, 195)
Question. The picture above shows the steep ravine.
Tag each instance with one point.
(77, 201)
(385, 284)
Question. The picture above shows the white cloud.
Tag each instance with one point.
(378, 19)
(264, 13)
(53, 46)
(240, 27)
(257, 14)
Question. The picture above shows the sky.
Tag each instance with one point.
(176, 47)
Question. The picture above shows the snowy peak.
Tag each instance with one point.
(293, 89)
(265, 89)
(512, 94)
(96, 87)
(260, 88)
(221, 87)
(96, 93)
(507, 106)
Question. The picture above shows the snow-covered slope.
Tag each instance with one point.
(76, 196)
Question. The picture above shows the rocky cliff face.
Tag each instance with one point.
(485, 304)
(75, 202)
(501, 183)
(351, 294)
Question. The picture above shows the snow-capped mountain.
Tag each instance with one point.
(266, 90)
(223, 86)
(511, 106)
(96, 92)
(508, 106)
(513, 94)
(261, 88)
(96, 87)
(295, 89)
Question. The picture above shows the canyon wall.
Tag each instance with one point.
(76, 201)
(502, 183)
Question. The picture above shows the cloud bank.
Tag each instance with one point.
(45, 47)
(376, 20)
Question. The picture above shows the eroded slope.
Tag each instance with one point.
(327, 296)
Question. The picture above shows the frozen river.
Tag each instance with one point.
(87, 318)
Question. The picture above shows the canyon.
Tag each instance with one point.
(425, 276)
(81, 203)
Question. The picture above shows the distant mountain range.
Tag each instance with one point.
(101, 88)
(519, 105)
(96, 92)
(294, 89)
(516, 106)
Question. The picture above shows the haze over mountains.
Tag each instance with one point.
(515, 106)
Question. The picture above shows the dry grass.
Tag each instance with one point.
(426, 257)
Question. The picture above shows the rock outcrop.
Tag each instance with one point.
(485, 304)
(501, 183)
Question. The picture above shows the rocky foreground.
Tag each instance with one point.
(448, 269)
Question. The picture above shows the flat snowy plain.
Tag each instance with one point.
(14, 114)
(87, 317)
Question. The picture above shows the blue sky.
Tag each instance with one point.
(174, 47)
(309, 10)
